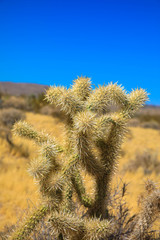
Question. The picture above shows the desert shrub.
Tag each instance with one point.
(21, 148)
(149, 113)
(54, 112)
(9, 116)
(14, 102)
(148, 160)
(148, 117)
(149, 212)
(47, 110)
(93, 138)
(6, 232)
(36, 102)
(151, 124)
(32, 103)
(134, 122)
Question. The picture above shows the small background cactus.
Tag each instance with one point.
(96, 122)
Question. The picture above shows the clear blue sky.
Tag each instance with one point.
(54, 41)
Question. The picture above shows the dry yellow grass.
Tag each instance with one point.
(139, 140)
(18, 189)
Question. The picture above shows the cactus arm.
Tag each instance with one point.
(46, 171)
(50, 181)
(43, 167)
(67, 204)
(87, 229)
(29, 225)
(24, 129)
(64, 99)
(67, 171)
(108, 152)
(73, 179)
(97, 229)
(67, 224)
(83, 123)
(81, 88)
(136, 98)
(109, 149)
(80, 190)
(86, 157)
(101, 98)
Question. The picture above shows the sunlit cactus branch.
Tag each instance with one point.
(23, 232)
(81, 88)
(79, 187)
(23, 129)
(136, 100)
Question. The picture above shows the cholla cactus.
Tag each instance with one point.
(94, 136)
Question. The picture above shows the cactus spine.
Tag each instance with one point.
(90, 125)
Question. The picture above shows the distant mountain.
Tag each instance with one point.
(17, 89)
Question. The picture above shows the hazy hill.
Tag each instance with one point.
(21, 88)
